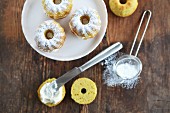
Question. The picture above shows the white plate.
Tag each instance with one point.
(74, 48)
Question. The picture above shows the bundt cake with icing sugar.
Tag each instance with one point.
(85, 23)
(50, 36)
(57, 9)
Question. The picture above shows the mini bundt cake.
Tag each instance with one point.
(50, 96)
(123, 8)
(83, 91)
(57, 9)
(50, 36)
(85, 23)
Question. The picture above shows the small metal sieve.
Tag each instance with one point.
(132, 61)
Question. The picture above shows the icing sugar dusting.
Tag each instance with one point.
(127, 71)
(93, 25)
(110, 77)
(55, 8)
(49, 44)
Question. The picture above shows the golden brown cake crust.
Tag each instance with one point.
(44, 42)
(123, 10)
(47, 81)
(89, 29)
(88, 95)
(58, 15)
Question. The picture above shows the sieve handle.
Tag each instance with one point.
(137, 33)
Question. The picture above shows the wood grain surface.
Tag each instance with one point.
(22, 69)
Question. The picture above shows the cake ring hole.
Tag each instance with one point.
(57, 1)
(83, 91)
(123, 1)
(85, 19)
(49, 34)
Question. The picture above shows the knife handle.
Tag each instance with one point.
(101, 56)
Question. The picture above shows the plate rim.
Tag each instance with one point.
(72, 58)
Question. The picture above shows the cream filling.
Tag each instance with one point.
(48, 94)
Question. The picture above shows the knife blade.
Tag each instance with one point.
(67, 77)
(98, 58)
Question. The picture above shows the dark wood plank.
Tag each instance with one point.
(22, 70)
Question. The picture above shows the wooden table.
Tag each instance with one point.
(22, 69)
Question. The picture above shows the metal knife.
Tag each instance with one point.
(98, 58)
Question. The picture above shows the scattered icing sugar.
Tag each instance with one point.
(110, 77)
(93, 25)
(49, 44)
